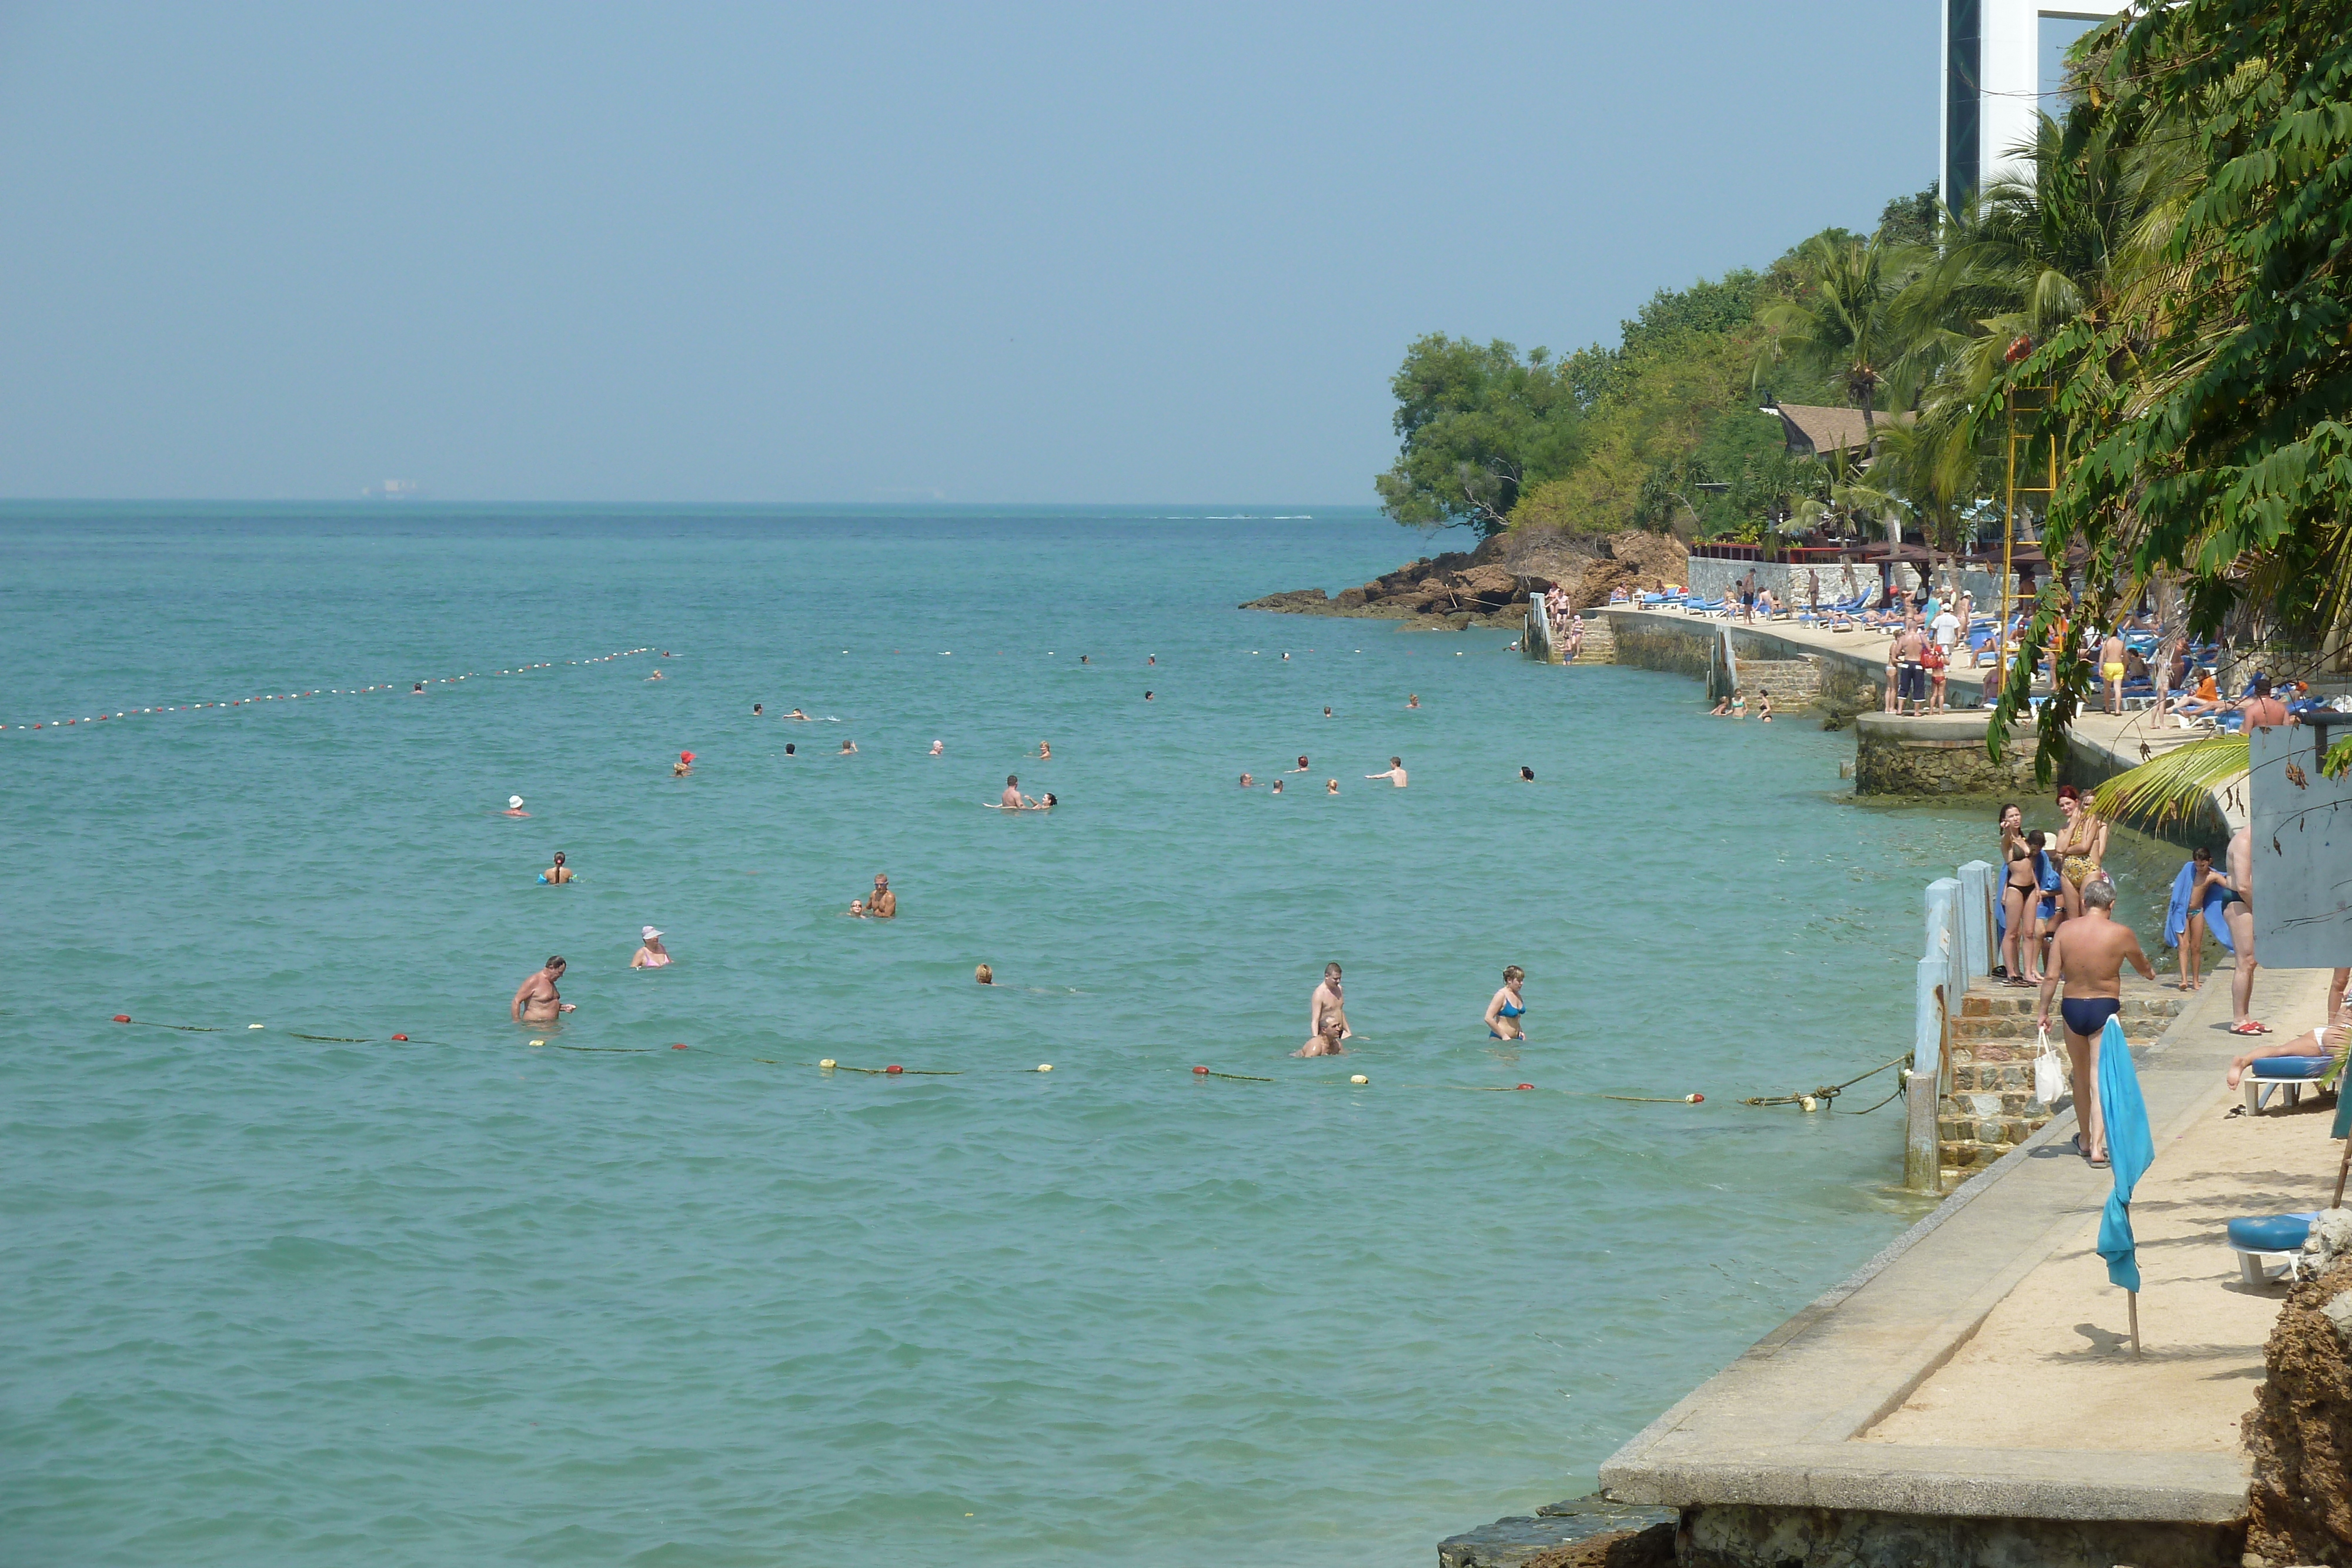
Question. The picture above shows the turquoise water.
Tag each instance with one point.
(293, 1302)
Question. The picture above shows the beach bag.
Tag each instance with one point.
(2049, 1073)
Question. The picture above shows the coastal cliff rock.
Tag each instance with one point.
(2300, 1430)
(1489, 586)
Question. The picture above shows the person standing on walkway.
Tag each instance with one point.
(2088, 955)
(2240, 912)
(2111, 669)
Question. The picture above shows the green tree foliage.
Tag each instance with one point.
(1840, 324)
(1910, 221)
(2205, 393)
(1479, 425)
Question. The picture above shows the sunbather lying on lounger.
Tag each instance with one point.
(2325, 1040)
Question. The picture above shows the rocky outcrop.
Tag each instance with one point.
(1489, 587)
(2300, 1430)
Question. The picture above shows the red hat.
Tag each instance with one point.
(685, 756)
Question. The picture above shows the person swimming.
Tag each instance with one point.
(684, 766)
(938, 747)
(1328, 1005)
(557, 872)
(1045, 752)
(1278, 786)
(1528, 775)
(985, 975)
(798, 714)
(790, 748)
(1326, 1042)
(652, 955)
(1147, 696)
(536, 1001)
(856, 909)
(655, 676)
(418, 691)
(1247, 781)
(1327, 713)
(1012, 799)
(848, 748)
(1395, 774)
(1506, 1007)
(1412, 699)
(756, 710)
(514, 807)
(1048, 804)
(1302, 766)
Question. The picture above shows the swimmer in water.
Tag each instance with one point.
(756, 710)
(1247, 783)
(536, 999)
(1278, 786)
(1527, 775)
(1328, 1005)
(1327, 713)
(514, 807)
(1082, 658)
(1045, 752)
(419, 691)
(1147, 696)
(557, 872)
(1330, 786)
(1301, 768)
(655, 676)
(1285, 658)
(1507, 1007)
(985, 975)
(652, 955)
(848, 748)
(798, 714)
(1395, 775)
(1012, 799)
(683, 766)
(790, 748)
(1151, 658)
(858, 909)
(1412, 699)
(1326, 1043)
(884, 905)
(939, 746)
(1046, 804)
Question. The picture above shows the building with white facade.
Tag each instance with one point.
(1995, 55)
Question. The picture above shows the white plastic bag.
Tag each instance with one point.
(2049, 1073)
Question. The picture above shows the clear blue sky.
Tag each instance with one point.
(826, 252)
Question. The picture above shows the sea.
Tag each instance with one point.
(652, 1286)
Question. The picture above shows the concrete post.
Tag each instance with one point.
(1944, 942)
(1978, 887)
(1922, 1161)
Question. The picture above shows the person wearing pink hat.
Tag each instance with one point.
(652, 955)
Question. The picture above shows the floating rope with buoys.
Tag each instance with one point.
(410, 686)
(1819, 1099)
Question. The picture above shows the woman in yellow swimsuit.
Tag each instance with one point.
(2081, 845)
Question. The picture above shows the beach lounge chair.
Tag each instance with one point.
(2269, 1245)
(2287, 1074)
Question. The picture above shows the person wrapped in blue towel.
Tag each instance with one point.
(2200, 896)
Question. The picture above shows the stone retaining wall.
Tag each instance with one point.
(1989, 1106)
(1942, 754)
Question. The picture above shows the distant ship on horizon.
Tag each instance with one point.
(394, 490)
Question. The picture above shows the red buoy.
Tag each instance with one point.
(682, 1048)
(1696, 1098)
(123, 1017)
(1524, 1085)
(399, 1036)
(894, 1067)
(1203, 1070)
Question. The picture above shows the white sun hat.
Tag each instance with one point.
(513, 801)
(651, 933)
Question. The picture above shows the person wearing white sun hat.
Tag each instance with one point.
(653, 955)
(514, 807)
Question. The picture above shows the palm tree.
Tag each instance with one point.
(1842, 320)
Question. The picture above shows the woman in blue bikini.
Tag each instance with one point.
(1503, 1013)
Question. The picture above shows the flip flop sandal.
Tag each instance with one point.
(2248, 1029)
(2098, 1163)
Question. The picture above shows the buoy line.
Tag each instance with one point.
(829, 1064)
(321, 692)
(1819, 1099)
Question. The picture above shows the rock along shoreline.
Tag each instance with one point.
(1488, 586)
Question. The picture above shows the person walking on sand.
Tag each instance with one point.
(536, 999)
(884, 905)
(2088, 955)
(1506, 1007)
(1330, 1001)
(652, 955)
(1395, 774)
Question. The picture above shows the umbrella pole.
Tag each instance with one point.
(2341, 1167)
(2133, 1296)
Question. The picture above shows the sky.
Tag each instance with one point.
(784, 253)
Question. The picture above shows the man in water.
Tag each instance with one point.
(1330, 786)
(939, 747)
(1328, 1002)
(757, 710)
(1327, 1042)
(419, 691)
(1147, 696)
(2088, 954)
(557, 872)
(1247, 781)
(798, 714)
(1327, 713)
(1301, 768)
(536, 1001)
(884, 905)
(848, 748)
(683, 766)
(1395, 775)
(2240, 912)
(514, 807)
(1527, 775)
(1278, 786)
(1011, 800)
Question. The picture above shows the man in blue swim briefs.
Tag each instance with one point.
(2088, 954)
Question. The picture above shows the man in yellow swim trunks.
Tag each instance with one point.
(2111, 669)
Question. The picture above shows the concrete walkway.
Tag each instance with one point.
(1970, 1368)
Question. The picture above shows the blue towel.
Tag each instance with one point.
(2176, 917)
(2131, 1149)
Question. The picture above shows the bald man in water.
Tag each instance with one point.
(536, 1001)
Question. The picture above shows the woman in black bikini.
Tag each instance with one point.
(2016, 895)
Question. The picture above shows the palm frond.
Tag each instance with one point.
(2173, 786)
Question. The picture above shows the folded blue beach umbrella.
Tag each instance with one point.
(2131, 1149)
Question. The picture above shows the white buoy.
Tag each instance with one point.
(253, 1026)
(1360, 1078)
(1044, 1067)
(828, 1061)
